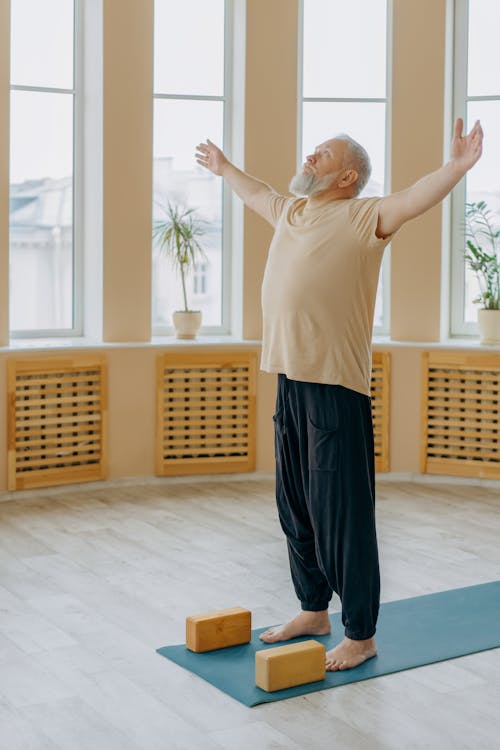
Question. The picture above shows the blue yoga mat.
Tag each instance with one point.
(410, 633)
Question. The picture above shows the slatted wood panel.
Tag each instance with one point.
(57, 416)
(380, 383)
(206, 413)
(460, 414)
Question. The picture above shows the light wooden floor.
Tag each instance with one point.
(92, 581)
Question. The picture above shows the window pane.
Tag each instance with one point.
(42, 43)
(41, 211)
(484, 177)
(484, 70)
(41, 135)
(365, 122)
(178, 127)
(483, 183)
(344, 48)
(189, 47)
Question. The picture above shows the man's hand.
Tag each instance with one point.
(399, 207)
(466, 149)
(253, 192)
(211, 157)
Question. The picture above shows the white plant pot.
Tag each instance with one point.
(489, 326)
(186, 324)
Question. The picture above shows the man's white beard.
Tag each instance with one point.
(308, 184)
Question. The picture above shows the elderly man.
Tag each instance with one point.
(318, 299)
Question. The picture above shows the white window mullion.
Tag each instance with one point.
(385, 328)
(78, 171)
(476, 87)
(460, 44)
(226, 302)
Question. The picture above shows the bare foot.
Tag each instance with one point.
(305, 623)
(349, 654)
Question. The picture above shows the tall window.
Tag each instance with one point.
(344, 89)
(476, 97)
(190, 85)
(42, 263)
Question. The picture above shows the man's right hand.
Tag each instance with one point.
(211, 157)
(252, 191)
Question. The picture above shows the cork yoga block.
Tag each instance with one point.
(218, 629)
(286, 666)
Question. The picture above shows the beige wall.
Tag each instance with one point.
(406, 383)
(417, 148)
(270, 151)
(127, 168)
(132, 410)
(3, 424)
(270, 129)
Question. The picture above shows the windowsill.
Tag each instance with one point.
(213, 341)
(470, 342)
(81, 342)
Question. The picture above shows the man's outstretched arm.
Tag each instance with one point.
(252, 191)
(399, 207)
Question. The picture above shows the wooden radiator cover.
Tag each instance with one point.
(57, 412)
(380, 384)
(206, 413)
(460, 414)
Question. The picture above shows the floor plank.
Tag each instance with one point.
(93, 580)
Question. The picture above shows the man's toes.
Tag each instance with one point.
(272, 637)
(331, 665)
(268, 635)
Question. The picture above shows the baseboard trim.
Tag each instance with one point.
(133, 481)
(416, 478)
(403, 477)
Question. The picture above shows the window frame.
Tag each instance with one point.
(384, 329)
(77, 198)
(226, 213)
(460, 53)
(460, 99)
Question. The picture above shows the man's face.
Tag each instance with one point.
(327, 158)
(320, 169)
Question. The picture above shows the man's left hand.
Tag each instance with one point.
(466, 149)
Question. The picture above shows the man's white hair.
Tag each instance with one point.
(356, 157)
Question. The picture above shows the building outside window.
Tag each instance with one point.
(344, 89)
(43, 298)
(190, 105)
(476, 88)
(200, 279)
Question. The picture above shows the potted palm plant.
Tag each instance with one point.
(482, 255)
(177, 237)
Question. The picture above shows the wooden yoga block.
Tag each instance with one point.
(218, 629)
(286, 666)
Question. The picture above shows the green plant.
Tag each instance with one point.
(177, 237)
(482, 253)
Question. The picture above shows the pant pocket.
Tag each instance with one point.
(322, 448)
(279, 431)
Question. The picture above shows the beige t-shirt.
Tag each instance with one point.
(319, 290)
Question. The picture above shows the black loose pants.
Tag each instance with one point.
(325, 492)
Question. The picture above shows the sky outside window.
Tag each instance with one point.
(41, 166)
